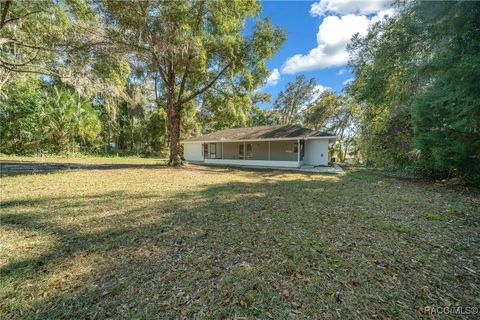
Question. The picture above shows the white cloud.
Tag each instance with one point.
(343, 7)
(348, 81)
(341, 72)
(273, 78)
(381, 14)
(333, 36)
(319, 89)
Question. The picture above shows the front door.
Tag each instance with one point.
(249, 151)
(213, 150)
(241, 151)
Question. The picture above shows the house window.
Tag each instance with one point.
(205, 150)
(213, 150)
(249, 151)
(295, 147)
(241, 151)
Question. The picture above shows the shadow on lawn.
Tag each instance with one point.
(24, 167)
(228, 250)
(15, 168)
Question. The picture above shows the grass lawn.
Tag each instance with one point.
(197, 242)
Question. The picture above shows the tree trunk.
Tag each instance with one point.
(173, 114)
(345, 152)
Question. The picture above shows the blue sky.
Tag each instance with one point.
(318, 33)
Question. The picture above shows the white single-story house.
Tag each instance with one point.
(264, 146)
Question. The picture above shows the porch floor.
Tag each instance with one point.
(304, 168)
(329, 169)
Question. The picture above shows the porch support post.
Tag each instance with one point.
(222, 150)
(268, 150)
(298, 152)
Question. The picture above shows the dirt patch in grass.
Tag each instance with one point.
(157, 242)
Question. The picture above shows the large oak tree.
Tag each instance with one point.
(190, 47)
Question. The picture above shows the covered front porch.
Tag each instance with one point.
(277, 153)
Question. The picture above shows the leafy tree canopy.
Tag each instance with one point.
(191, 47)
(416, 75)
(291, 101)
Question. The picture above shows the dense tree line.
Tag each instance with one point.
(415, 101)
(42, 118)
(417, 79)
(131, 62)
(136, 77)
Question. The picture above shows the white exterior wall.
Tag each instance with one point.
(316, 153)
(193, 151)
(314, 149)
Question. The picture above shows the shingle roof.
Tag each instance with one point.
(261, 132)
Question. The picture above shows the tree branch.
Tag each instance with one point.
(4, 41)
(46, 73)
(184, 80)
(163, 75)
(4, 13)
(16, 65)
(201, 8)
(4, 22)
(205, 88)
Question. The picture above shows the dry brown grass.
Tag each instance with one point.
(156, 242)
